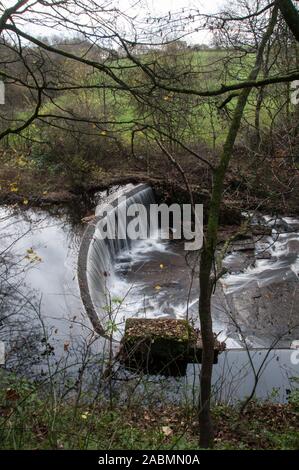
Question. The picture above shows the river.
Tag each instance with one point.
(255, 305)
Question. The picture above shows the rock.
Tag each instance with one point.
(162, 346)
(57, 197)
(243, 245)
(263, 255)
(281, 226)
(269, 313)
(243, 236)
(230, 215)
(261, 230)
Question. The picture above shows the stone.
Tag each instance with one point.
(242, 245)
(269, 313)
(260, 230)
(163, 346)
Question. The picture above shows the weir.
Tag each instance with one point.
(97, 256)
(153, 279)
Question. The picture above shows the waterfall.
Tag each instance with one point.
(97, 257)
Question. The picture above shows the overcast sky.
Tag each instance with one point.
(159, 6)
(146, 8)
(163, 6)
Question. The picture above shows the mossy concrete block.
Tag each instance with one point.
(162, 346)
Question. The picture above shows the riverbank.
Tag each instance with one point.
(22, 182)
(30, 420)
(28, 417)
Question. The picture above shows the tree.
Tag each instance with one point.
(139, 75)
(291, 16)
(207, 259)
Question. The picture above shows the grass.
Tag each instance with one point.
(199, 121)
(30, 419)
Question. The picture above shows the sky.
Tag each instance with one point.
(144, 9)
(163, 6)
(160, 7)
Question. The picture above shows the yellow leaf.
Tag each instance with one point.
(32, 256)
(85, 415)
(25, 202)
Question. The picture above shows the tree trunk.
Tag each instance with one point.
(207, 260)
(257, 121)
(291, 16)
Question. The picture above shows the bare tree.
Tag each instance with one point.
(113, 52)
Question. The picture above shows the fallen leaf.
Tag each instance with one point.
(167, 431)
(12, 394)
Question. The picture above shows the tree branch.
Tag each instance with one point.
(291, 16)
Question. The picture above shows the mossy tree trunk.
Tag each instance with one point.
(291, 16)
(207, 260)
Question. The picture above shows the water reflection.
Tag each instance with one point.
(45, 325)
(43, 321)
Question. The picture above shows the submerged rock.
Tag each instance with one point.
(261, 230)
(243, 245)
(267, 312)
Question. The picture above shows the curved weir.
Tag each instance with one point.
(260, 289)
(57, 241)
(97, 257)
(155, 278)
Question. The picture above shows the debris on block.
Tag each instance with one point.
(163, 346)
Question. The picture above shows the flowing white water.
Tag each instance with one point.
(281, 263)
(146, 278)
(106, 290)
(153, 278)
(52, 284)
